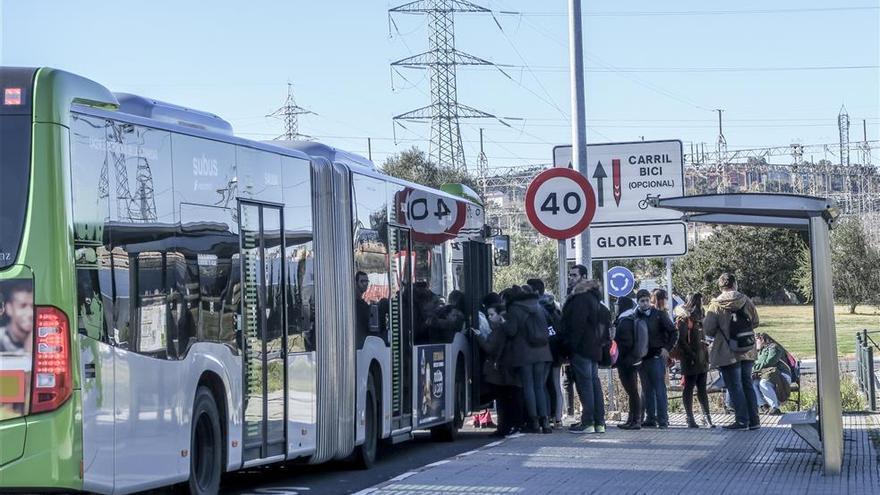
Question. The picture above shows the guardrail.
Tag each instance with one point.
(867, 378)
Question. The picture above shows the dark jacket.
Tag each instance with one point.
(691, 348)
(523, 312)
(661, 332)
(586, 323)
(625, 336)
(554, 319)
(444, 323)
(717, 325)
(495, 345)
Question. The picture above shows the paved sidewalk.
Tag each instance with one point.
(772, 460)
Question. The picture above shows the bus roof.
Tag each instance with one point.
(142, 110)
(333, 155)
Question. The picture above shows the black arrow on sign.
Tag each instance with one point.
(600, 175)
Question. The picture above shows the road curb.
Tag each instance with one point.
(413, 472)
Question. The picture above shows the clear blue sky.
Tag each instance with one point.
(234, 58)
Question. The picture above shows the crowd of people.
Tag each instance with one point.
(537, 350)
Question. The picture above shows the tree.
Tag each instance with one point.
(854, 266)
(529, 259)
(764, 261)
(413, 165)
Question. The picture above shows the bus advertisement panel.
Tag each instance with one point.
(432, 384)
(16, 345)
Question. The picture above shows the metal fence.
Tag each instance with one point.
(867, 376)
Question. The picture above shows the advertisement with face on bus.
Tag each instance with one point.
(16, 346)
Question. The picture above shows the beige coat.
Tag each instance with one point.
(717, 325)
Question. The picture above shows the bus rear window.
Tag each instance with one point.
(16, 110)
(15, 161)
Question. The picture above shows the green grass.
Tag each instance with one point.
(792, 326)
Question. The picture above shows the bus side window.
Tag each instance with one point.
(299, 254)
(90, 296)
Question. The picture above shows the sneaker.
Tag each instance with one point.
(736, 427)
(599, 428)
(764, 409)
(630, 426)
(649, 424)
(531, 429)
(755, 427)
(581, 428)
(775, 412)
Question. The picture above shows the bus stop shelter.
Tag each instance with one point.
(822, 429)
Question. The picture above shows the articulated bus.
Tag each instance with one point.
(177, 302)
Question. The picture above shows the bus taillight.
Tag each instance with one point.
(52, 381)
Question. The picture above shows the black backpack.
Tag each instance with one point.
(537, 335)
(741, 334)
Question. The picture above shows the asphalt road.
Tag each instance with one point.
(337, 478)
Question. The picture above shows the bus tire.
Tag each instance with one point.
(206, 445)
(365, 454)
(449, 431)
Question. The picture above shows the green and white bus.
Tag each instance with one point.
(177, 302)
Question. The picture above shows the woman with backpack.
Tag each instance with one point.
(692, 352)
(771, 374)
(630, 354)
(530, 357)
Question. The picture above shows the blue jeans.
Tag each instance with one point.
(534, 380)
(737, 379)
(654, 399)
(765, 391)
(586, 372)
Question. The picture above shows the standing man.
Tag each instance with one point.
(586, 328)
(662, 336)
(732, 312)
(16, 337)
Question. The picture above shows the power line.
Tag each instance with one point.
(663, 70)
(646, 13)
(625, 75)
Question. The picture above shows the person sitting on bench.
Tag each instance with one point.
(771, 374)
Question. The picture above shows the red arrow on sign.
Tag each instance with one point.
(615, 172)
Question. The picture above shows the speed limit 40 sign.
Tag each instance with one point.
(560, 203)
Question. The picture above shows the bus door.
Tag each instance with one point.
(477, 272)
(400, 327)
(262, 330)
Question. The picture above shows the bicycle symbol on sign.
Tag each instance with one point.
(643, 204)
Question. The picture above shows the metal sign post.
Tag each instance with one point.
(608, 305)
(578, 116)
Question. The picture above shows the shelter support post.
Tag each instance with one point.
(830, 414)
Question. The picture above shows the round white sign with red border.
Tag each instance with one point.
(560, 203)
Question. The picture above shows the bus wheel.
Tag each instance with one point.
(365, 454)
(205, 445)
(449, 431)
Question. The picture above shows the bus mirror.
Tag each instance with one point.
(501, 245)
